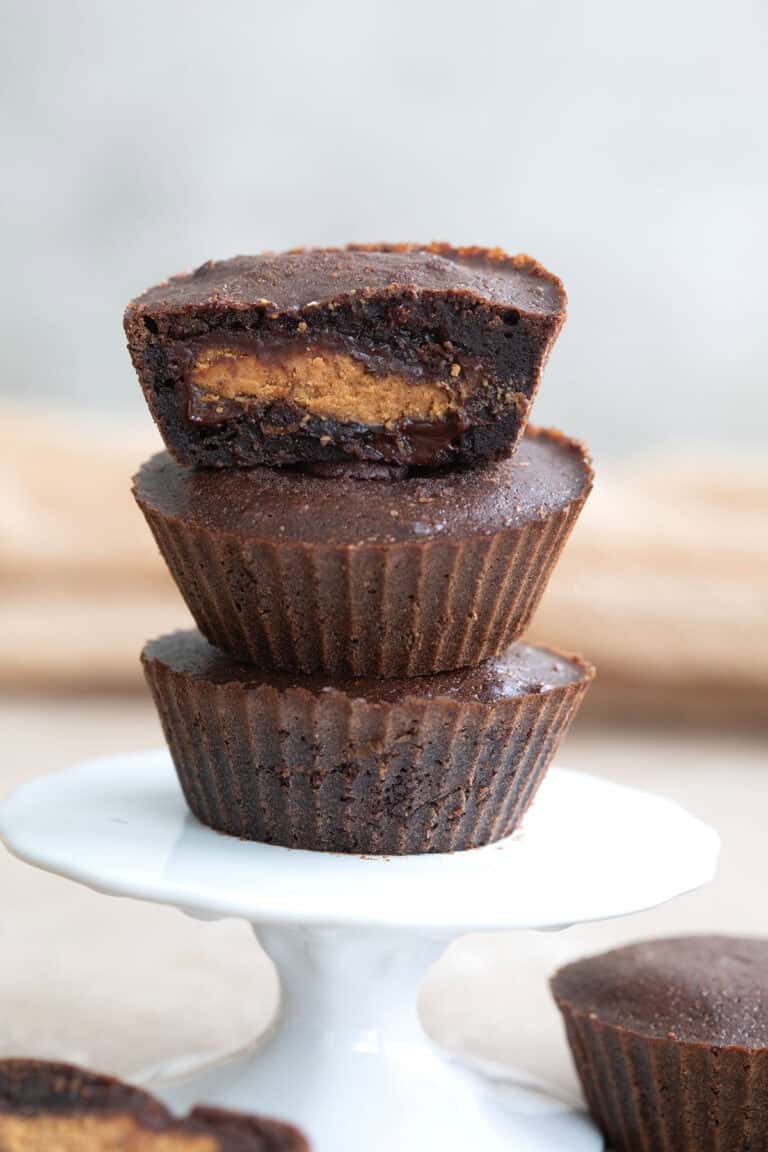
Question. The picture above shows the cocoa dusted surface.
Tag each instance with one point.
(710, 990)
(33, 1089)
(291, 281)
(522, 671)
(548, 473)
(476, 320)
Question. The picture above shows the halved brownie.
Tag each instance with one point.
(408, 355)
(51, 1107)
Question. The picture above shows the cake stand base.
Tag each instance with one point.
(348, 1061)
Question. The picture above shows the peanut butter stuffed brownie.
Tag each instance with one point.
(48, 1107)
(397, 354)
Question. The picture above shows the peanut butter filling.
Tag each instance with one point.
(92, 1133)
(330, 385)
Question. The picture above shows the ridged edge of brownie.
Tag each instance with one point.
(329, 771)
(654, 1092)
(406, 608)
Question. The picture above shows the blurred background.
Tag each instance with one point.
(622, 145)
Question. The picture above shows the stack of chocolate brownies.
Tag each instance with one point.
(362, 525)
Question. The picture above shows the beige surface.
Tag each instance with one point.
(665, 584)
(121, 985)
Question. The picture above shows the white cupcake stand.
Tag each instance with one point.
(352, 936)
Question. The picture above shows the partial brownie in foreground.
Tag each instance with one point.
(431, 764)
(358, 576)
(48, 1107)
(670, 1040)
(409, 355)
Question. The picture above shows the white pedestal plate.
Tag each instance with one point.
(352, 937)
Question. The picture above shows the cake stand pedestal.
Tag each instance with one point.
(352, 936)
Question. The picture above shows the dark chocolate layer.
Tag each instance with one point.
(475, 324)
(546, 474)
(292, 281)
(358, 577)
(699, 989)
(431, 764)
(35, 1090)
(523, 670)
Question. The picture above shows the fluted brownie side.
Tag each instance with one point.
(649, 1093)
(400, 609)
(328, 772)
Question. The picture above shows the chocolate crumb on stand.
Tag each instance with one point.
(402, 354)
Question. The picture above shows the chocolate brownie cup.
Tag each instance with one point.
(431, 764)
(670, 1040)
(406, 354)
(356, 576)
(47, 1107)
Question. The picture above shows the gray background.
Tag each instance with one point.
(624, 145)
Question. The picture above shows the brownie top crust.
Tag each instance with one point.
(547, 474)
(46, 1105)
(709, 990)
(292, 281)
(524, 670)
